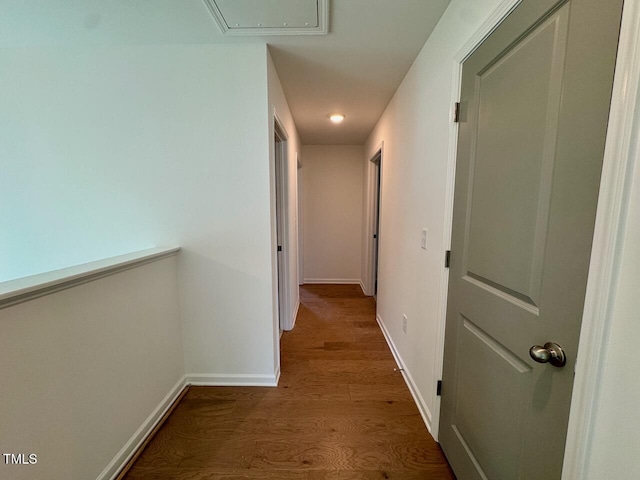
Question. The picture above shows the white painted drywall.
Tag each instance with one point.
(107, 150)
(332, 188)
(613, 450)
(415, 131)
(278, 104)
(83, 368)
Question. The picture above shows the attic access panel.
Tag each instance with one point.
(270, 17)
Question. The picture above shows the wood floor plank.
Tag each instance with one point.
(204, 407)
(277, 408)
(242, 475)
(351, 378)
(173, 473)
(165, 450)
(218, 452)
(379, 393)
(431, 474)
(341, 411)
(357, 430)
(385, 366)
(335, 456)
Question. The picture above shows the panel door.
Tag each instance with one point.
(534, 108)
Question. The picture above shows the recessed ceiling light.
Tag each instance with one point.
(336, 117)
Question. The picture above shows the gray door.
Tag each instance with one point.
(534, 109)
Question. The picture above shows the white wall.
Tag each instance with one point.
(108, 150)
(83, 368)
(415, 131)
(613, 451)
(278, 104)
(332, 189)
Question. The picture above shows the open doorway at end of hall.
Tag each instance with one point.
(281, 170)
(372, 221)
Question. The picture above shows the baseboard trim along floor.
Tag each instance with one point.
(415, 393)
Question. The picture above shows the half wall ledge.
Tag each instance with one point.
(24, 289)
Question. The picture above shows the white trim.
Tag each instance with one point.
(129, 449)
(300, 205)
(279, 125)
(361, 283)
(321, 29)
(24, 289)
(334, 281)
(234, 379)
(369, 212)
(425, 413)
(490, 24)
(620, 149)
(280, 131)
(295, 314)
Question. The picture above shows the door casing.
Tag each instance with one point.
(281, 174)
(375, 231)
(370, 208)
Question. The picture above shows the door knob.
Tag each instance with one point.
(551, 353)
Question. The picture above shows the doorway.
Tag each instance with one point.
(300, 223)
(282, 225)
(375, 234)
(533, 123)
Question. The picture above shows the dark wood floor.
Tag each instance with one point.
(340, 412)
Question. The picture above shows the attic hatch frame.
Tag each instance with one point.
(321, 29)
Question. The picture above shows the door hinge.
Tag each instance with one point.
(375, 235)
(447, 259)
(456, 112)
(439, 388)
(279, 248)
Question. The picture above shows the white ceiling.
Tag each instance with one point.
(354, 69)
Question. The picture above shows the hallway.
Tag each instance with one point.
(340, 410)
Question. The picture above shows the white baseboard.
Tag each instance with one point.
(112, 470)
(364, 290)
(334, 281)
(233, 380)
(415, 393)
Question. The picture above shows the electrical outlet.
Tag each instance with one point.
(423, 239)
(404, 323)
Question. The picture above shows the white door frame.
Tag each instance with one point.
(282, 216)
(368, 273)
(623, 137)
(300, 239)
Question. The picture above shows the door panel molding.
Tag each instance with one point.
(515, 209)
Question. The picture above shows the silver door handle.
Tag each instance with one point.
(551, 353)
